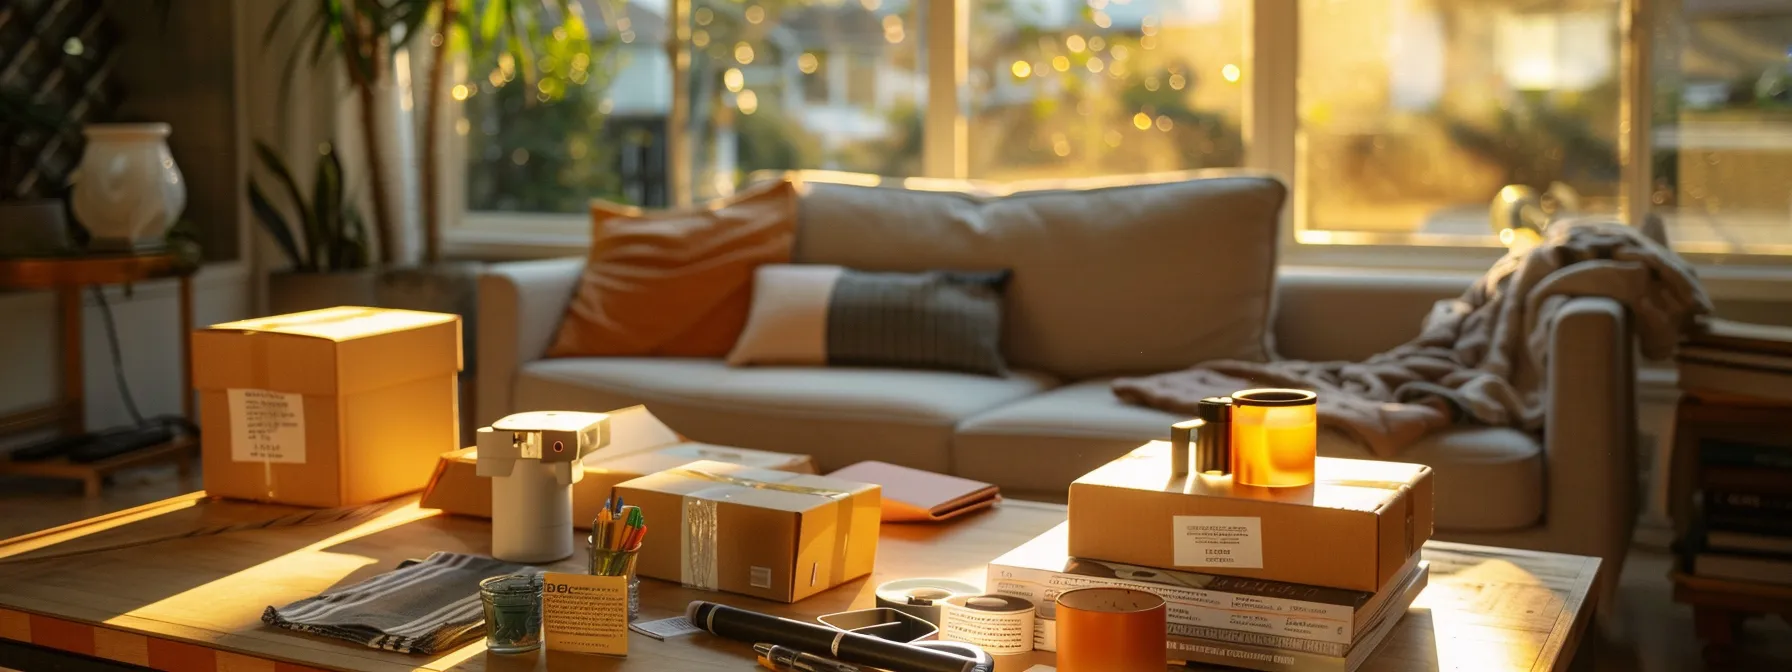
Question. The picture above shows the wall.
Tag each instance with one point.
(183, 69)
(149, 342)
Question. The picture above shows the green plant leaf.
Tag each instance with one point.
(275, 224)
(326, 202)
(274, 164)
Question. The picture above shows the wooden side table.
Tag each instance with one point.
(68, 276)
(1720, 606)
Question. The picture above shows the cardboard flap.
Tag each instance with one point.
(334, 351)
(251, 360)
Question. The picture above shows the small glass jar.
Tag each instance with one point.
(1274, 437)
(512, 612)
(617, 563)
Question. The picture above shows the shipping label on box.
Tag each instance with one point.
(1354, 528)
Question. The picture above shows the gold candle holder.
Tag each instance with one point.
(1275, 435)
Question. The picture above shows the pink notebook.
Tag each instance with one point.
(913, 495)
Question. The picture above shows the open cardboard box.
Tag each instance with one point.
(639, 445)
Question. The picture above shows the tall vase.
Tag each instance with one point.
(127, 190)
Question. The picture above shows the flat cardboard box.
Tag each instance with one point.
(329, 407)
(769, 534)
(1353, 528)
(639, 445)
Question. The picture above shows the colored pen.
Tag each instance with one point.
(791, 659)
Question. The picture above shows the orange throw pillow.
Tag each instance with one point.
(677, 283)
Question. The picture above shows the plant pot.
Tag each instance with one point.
(293, 291)
(34, 228)
(444, 287)
(127, 190)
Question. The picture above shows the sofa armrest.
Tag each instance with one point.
(520, 305)
(1590, 432)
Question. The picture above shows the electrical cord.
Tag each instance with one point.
(124, 386)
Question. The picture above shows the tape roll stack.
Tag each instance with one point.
(1111, 630)
(922, 597)
(999, 624)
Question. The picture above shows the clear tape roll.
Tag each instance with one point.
(921, 597)
(998, 624)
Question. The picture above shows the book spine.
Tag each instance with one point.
(1729, 453)
(1258, 639)
(1747, 502)
(1215, 652)
(1253, 657)
(1191, 607)
(1746, 479)
(1755, 522)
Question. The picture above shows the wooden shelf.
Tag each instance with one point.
(92, 475)
(93, 269)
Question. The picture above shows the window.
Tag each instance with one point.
(785, 85)
(591, 127)
(1407, 116)
(1722, 168)
(1414, 113)
(1062, 89)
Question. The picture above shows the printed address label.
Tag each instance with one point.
(266, 426)
(1218, 541)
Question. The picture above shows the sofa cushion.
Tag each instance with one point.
(1136, 275)
(839, 415)
(1487, 478)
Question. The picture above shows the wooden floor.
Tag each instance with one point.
(1647, 633)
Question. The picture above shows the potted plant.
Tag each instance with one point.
(324, 240)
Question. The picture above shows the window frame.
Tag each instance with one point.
(1271, 132)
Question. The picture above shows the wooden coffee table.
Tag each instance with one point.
(187, 601)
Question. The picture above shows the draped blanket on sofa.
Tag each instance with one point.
(1479, 358)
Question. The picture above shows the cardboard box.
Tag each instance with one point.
(1353, 528)
(769, 534)
(639, 445)
(329, 407)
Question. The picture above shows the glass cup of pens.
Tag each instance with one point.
(615, 539)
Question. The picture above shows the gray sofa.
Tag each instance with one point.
(1108, 279)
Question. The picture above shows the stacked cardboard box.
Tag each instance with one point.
(1278, 579)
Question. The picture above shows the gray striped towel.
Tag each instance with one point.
(429, 607)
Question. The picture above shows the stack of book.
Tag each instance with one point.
(1740, 375)
(1742, 530)
(1221, 620)
(1738, 360)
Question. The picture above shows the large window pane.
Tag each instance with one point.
(1414, 113)
(1723, 126)
(577, 125)
(784, 84)
(1093, 87)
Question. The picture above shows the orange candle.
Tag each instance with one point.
(1105, 629)
(1275, 437)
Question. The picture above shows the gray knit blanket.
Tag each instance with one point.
(1480, 358)
(427, 608)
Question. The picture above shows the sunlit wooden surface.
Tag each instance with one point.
(1487, 609)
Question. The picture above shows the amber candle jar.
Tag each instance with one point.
(1275, 437)
(1105, 629)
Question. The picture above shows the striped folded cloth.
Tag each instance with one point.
(427, 608)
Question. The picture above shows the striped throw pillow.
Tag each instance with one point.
(828, 315)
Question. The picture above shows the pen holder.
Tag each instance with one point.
(619, 563)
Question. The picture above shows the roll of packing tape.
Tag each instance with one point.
(998, 624)
(921, 597)
(1111, 630)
